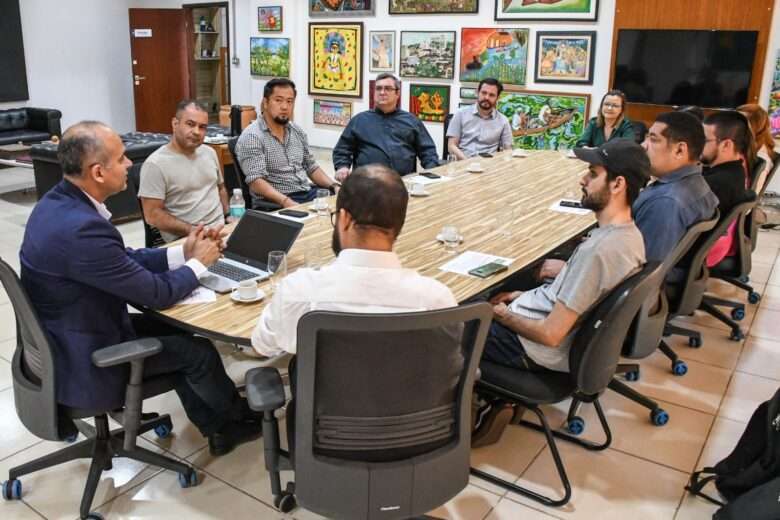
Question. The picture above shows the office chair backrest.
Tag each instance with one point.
(152, 236)
(239, 172)
(697, 274)
(444, 151)
(382, 424)
(648, 326)
(640, 131)
(595, 352)
(32, 367)
(751, 225)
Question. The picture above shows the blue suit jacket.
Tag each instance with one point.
(80, 277)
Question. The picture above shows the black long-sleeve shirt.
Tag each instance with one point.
(395, 140)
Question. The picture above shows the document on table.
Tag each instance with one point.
(425, 181)
(469, 260)
(199, 295)
(556, 206)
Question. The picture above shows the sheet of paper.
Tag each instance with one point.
(425, 181)
(563, 209)
(199, 295)
(469, 260)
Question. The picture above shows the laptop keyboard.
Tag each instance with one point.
(231, 272)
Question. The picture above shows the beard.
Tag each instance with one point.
(281, 120)
(595, 201)
(486, 105)
(335, 242)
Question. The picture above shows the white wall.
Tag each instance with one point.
(78, 60)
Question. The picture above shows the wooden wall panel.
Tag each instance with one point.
(755, 15)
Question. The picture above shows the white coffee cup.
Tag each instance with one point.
(247, 290)
(418, 188)
(475, 166)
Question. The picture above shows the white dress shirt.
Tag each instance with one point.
(358, 280)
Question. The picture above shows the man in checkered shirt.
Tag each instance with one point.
(274, 153)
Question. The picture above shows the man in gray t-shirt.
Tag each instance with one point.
(533, 330)
(181, 182)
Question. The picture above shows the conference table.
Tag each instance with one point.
(503, 211)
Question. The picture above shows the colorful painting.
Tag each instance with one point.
(427, 54)
(565, 57)
(382, 48)
(468, 93)
(430, 102)
(465, 104)
(336, 113)
(433, 6)
(269, 57)
(498, 52)
(269, 18)
(544, 120)
(371, 88)
(774, 100)
(557, 10)
(336, 59)
(339, 8)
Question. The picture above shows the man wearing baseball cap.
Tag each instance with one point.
(533, 330)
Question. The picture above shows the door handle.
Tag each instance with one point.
(138, 78)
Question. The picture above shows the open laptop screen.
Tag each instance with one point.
(257, 234)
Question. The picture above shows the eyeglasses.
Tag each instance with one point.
(382, 88)
(334, 215)
(611, 105)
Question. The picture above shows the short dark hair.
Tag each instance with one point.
(682, 127)
(80, 143)
(387, 75)
(269, 87)
(375, 196)
(491, 81)
(730, 124)
(182, 105)
(694, 110)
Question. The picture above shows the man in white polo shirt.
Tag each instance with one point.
(480, 128)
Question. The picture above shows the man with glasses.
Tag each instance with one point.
(385, 135)
(480, 128)
(366, 276)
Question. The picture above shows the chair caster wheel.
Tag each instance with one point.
(737, 335)
(632, 376)
(754, 297)
(659, 417)
(738, 314)
(163, 430)
(94, 516)
(679, 368)
(575, 426)
(12, 489)
(70, 439)
(189, 479)
(285, 502)
(744, 278)
(694, 342)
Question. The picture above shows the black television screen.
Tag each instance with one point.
(681, 67)
(13, 74)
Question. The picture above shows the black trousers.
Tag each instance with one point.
(208, 395)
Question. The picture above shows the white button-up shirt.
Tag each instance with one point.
(358, 280)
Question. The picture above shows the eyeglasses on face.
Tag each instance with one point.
(382, 88)
(611, 105)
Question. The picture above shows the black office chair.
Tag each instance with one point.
(640, 131)
(444, 151)
(34, 380)
(260, 205)
(593, 359)
(382, 420)
(152, 236)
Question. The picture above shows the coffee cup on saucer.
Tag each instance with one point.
(246, 290)
(417, 188)
(475, 167)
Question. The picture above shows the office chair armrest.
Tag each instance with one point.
(126, 352)
(264, 389)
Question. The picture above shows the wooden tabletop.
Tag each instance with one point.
(477, 204)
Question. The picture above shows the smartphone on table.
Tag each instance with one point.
(570, 204)
(487, 270)
(486, 155)
(430, 175)
(294, 213)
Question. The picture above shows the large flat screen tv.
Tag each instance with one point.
(13, 74)
(681, 67)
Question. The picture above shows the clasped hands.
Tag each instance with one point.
(205, 244)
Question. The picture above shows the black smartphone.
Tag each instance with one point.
(430, 175)
(486, 155)
(570, 204)
(490, 269)
(293, 213)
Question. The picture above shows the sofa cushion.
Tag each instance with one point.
(13, 119)
(25, 136)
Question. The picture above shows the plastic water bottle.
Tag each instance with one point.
(237, 204)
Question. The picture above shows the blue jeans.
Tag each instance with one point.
(302, 197)
(503, 347)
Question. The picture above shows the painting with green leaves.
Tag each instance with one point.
(270, 57)
(497, 52)
(427, 54)
(544, 120)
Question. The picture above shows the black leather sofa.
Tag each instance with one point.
(29, 125)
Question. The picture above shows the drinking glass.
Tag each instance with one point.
(311, 256)
(452, 167)
(321, 202)
(277, 267)
(451, 238)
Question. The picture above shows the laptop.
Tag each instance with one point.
(246, 254)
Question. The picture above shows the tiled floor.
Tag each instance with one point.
(640, 476)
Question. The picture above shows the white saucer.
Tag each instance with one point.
(441, 239)
(235, 298)
(519, 153)
(418, 193)
(475, 170)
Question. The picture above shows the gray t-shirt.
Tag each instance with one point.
(188, 186)
(599, 264)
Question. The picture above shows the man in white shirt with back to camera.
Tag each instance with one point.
(366, 276)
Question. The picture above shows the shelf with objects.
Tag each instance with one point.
(210, 58)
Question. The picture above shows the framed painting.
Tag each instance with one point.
(336, 59)
(565, 57)
(335, 113)
(544, 120)
(269, 18)
(427, 54)
(547, 10)
(468, 93)
(774, 100)
(465, 104)
(269, 57)
(497, 52)
(372, 88)
(382, 49)
(339, 8)
(433, 7)
(429, 102)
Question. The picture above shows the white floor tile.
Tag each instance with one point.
(7, 348)
(717, 349)
(5, 375)
(761, 357)
(471, 503)
(766, 324)
(508, 509)
(14, 436)
(744, 394)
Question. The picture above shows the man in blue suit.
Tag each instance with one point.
(80, 277)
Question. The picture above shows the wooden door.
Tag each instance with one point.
(159, 43)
